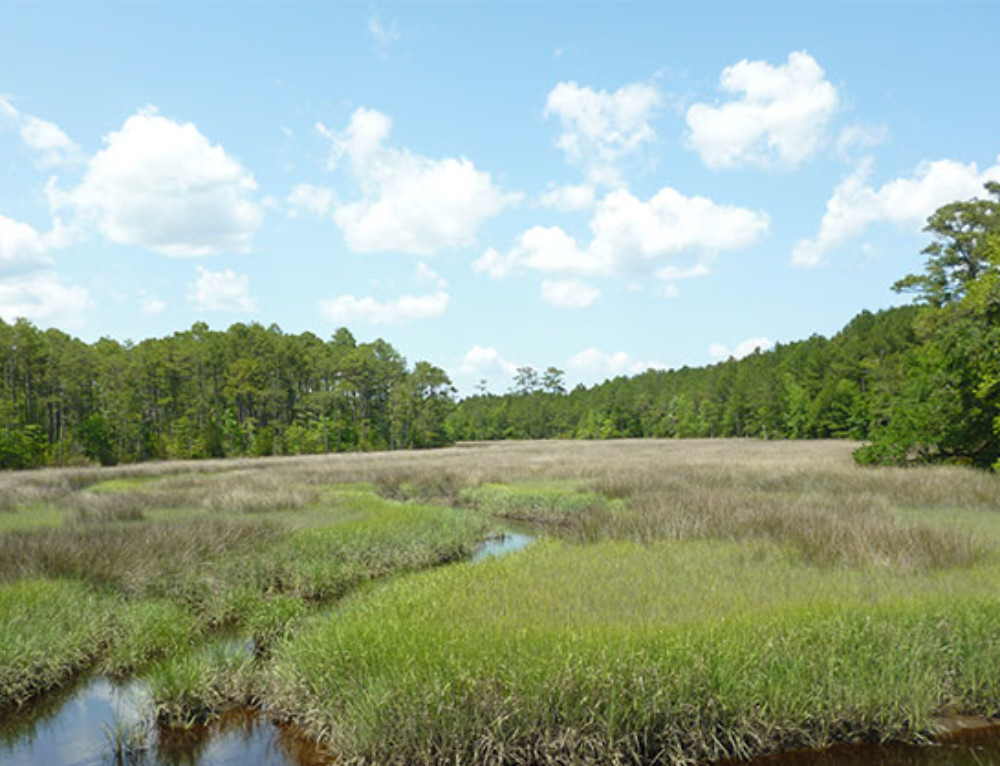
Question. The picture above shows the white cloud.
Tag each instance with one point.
(222, 291)
(306, 199)
(569, 199)
(21, 247)
(348, 308)
(593, 362)
(600, 129)
(161, 185)
(409, 203)
(569, 293)
(629, 235)
(485, 360)
(779, 119)
(152, 305)
(44, 298)
(384, 36)
(54, 147)
(905, 202)
(744, 348)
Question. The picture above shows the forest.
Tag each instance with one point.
(918, 383)
(248, 391)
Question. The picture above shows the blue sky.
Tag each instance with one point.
(599, 187)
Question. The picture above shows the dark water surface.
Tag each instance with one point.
(984, 753)
(80, 727)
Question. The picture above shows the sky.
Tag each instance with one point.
(599, 187)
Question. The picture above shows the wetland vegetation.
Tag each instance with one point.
(684, 601)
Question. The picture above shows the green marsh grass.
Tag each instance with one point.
(193, 686)
(147, 630)
(49, 631)
(159, 559)
(708, 598)
(626, 653)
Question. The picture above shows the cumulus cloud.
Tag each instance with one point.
(569, 293)
(569, 199)
(306, 199)
(779, 118)
(348, 308)
(409, 203)
(744, 348)
(162, 185)
(485, 361)
(632, 236)
(905, 202)
(46, 138)
(222, 291)
(597, 363)
(44, 298)
(22, 248)
(600, 129)
(29, 285)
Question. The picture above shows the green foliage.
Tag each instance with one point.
(97, 439)
(146, 595)
(960, 254)
(816, 388)
(946, 406)
(200, 394)
(24, 448)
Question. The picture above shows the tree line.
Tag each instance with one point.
(919, 383)
(816, 388)
(247, 391)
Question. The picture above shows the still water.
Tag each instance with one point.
(78, 728)
(508, 542)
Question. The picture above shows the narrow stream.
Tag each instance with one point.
(77, 727)
(508, 542)
(81, 725)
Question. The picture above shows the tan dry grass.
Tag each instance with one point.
(809, 494)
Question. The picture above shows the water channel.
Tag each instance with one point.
(83, 725)
(80, 726)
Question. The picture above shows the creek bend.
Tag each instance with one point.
(97, 720)
(81, 724)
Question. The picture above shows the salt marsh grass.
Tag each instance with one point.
(698, 599)
(133, 570)
(49, 631)
(620, 652)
